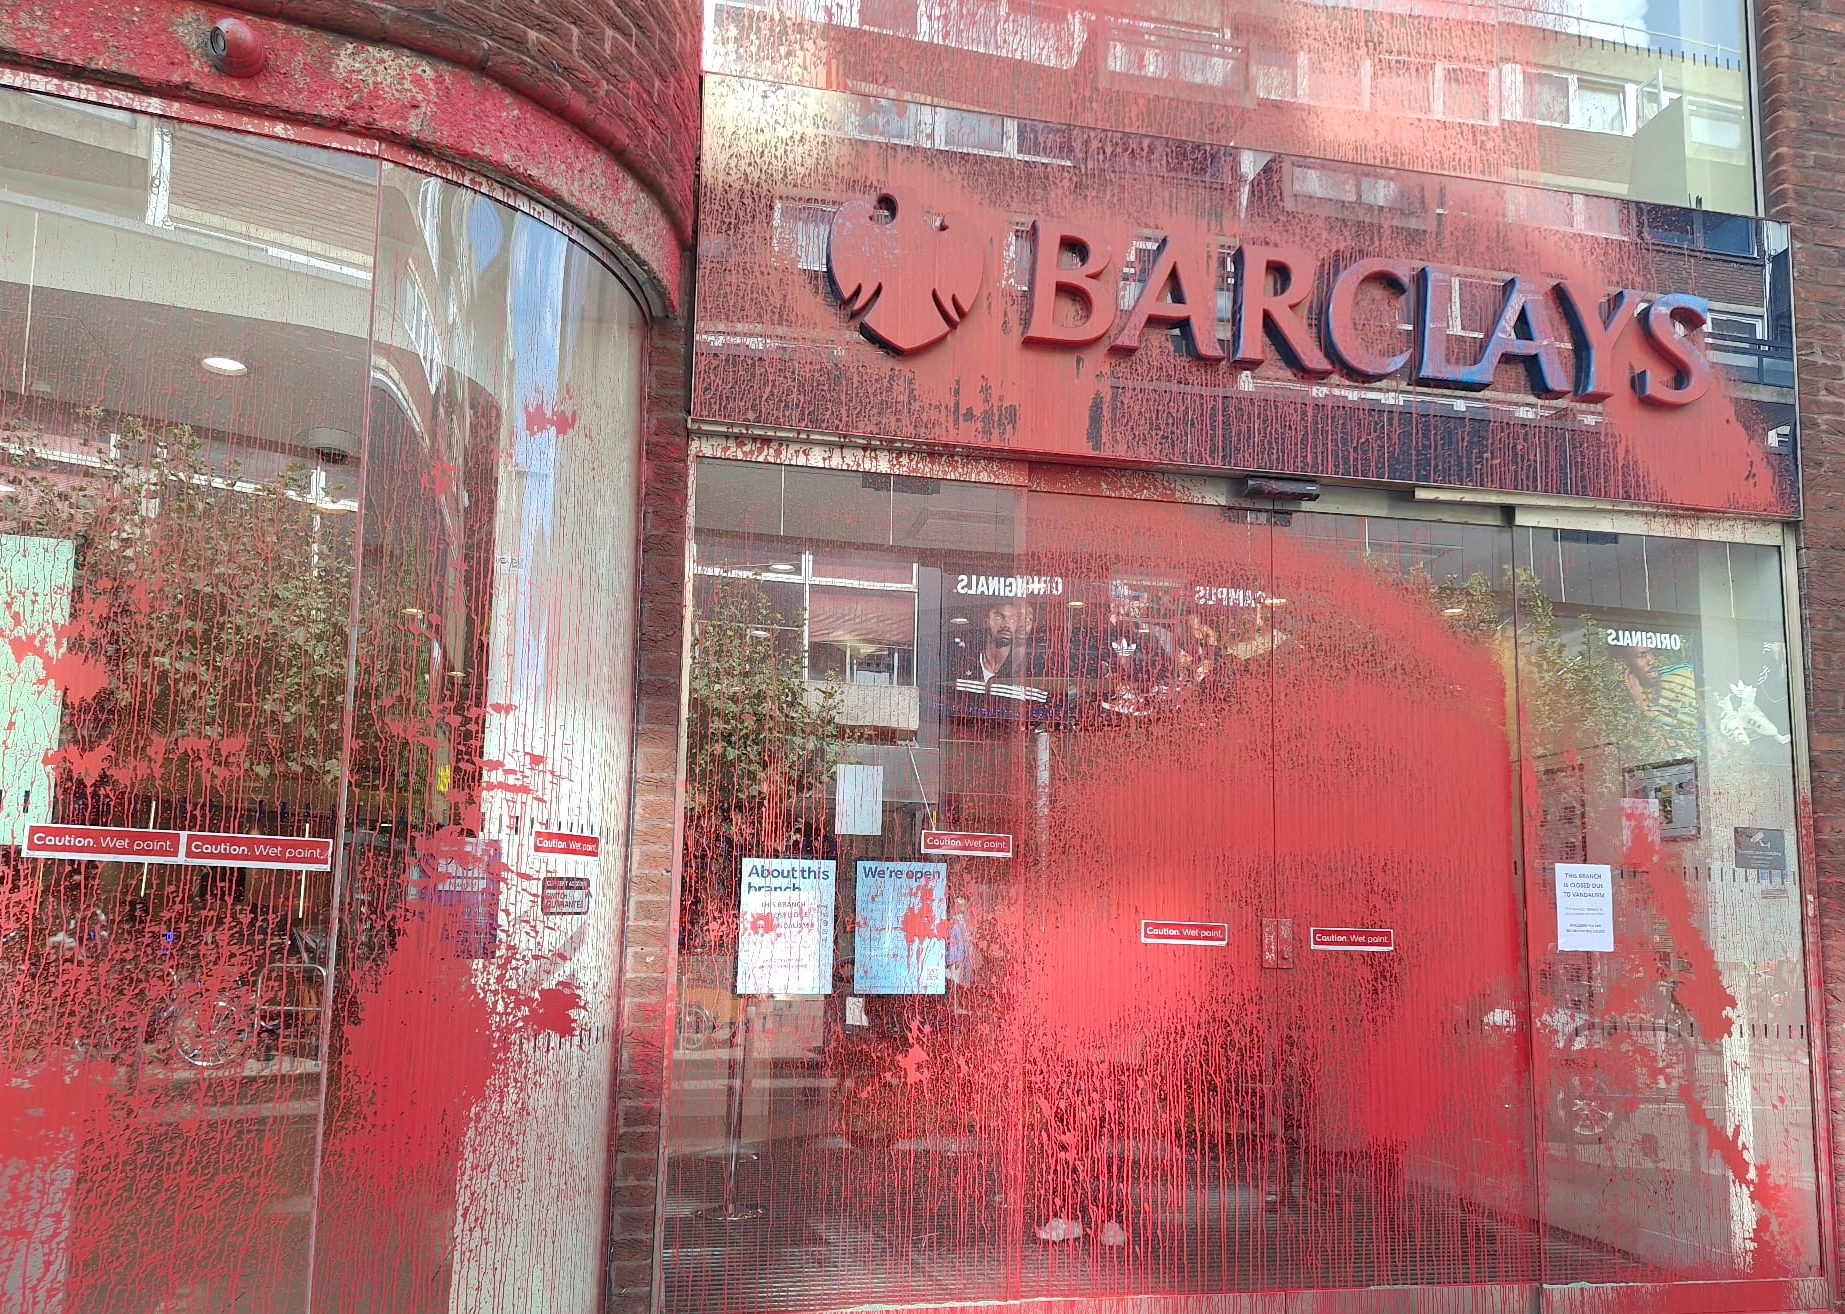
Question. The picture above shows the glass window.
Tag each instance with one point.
(317, 540)
(898, 17)
(1724, 127)
(1278, 75)
(1467, 94)
(1600, 106)
(1326, 184)
(1335, 79)
(1402, 86)
(1663, 877)
(1547, 97)
(1164, 927)
(961, 131)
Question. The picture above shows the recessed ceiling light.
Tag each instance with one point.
(228, 366)
(957, 620)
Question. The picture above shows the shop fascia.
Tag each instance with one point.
(1274, 285)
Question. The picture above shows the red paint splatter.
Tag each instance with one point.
(554, 1010)
(920, 921)
(914, 1060)
(78, 676)
(546, 417)
(87, 766)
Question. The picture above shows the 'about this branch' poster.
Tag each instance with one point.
(785, 927)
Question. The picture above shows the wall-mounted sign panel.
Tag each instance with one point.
(1247, 311)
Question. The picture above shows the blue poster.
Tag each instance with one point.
(900, 939)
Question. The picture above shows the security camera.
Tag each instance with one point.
(237, 48)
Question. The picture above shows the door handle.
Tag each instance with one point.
(1278, 942)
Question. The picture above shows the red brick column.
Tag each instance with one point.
(647, 957)
(1801, 55)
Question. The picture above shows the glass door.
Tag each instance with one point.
(1664, 887)
(1150, 1073)
(1091, 897)
(1394, 998)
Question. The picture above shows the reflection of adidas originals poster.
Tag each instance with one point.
(1655, 658)
(1752, 708)
(1697, 696)
(993, 642)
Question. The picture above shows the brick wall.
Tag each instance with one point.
(652, 890)
(1801, 48)
(623, 72)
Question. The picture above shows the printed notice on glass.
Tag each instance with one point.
(1585, 907)
(785, 927)
(858, 807)
(900, 935)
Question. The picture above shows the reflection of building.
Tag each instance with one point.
(1067, 773)
(1653, 106)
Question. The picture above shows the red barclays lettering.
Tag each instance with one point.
(1272, 306)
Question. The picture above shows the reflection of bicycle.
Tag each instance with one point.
(212, 1028)
(1583, 1104)
(700, 1025)
(208, 1029)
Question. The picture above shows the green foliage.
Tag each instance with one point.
(213, 614)
(761, 745)
(1572, 694)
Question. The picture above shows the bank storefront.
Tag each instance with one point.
(1243, 734)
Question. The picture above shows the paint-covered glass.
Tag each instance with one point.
(1101, 898)
(1664, 877)
(317, 526)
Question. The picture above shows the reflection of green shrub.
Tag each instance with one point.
(1572, 696)
(217, 610)
(761, 745)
